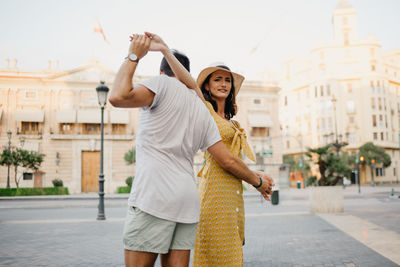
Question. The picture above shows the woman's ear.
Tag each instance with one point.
(207, 87)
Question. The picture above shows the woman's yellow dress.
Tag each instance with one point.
(220, 234)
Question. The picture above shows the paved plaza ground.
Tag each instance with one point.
(63, 231)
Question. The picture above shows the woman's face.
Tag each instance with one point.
(220, 84)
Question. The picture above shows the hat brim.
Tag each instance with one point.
(237, 78)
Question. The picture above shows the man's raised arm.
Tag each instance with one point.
(122, 93)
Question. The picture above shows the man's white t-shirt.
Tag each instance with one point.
(171, 130)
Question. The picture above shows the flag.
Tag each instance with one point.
(99, 29)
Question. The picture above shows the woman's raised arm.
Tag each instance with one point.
(157, 44)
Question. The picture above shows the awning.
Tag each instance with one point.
(66, 116)
(119, 116)
(33, 115)
(91, 116)
(259, 120)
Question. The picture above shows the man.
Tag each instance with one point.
(174, 124)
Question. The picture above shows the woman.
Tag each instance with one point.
(220, 233)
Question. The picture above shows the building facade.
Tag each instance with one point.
(348, 89)
(57, 113)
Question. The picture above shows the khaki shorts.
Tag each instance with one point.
(144, 232)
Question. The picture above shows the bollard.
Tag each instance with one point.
(392, 194)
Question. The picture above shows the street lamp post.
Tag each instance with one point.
(338, 144)
(9, 134)
(102, 91)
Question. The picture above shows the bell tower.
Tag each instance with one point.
(344, 23)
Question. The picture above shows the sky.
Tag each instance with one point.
(252, 37)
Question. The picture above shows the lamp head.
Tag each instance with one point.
(102, 91)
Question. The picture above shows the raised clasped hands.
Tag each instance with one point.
(141, 44)
(266, 188)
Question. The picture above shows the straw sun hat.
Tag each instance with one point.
(237, 78)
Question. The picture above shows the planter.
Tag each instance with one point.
(326, 199)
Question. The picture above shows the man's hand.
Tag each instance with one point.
(140, 45)
(266, 188)
(157, 44)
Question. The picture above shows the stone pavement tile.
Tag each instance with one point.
(305, 240)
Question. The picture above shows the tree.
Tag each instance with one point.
(130, 156)
(18, 157)
(331, 167)
(6, 160)
(370, 152)
(320, 157)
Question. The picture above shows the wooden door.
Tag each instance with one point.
(38, 179)
(90, 171)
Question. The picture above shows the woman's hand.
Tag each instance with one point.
(157, 44)
(267, 183)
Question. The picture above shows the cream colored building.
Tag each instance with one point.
(57, 113)
(258, 105)
(364, 80)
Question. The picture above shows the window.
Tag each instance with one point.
(346, 38)
(330, 124)
(349, 88)
(118, 128)
(287, 144)
(91, 128)
(30, 94)
(382, 136)
(257, 101)
(328, 89)
(259, 131)
(394, 171)
(379, 103)
(344, 20)
(374, 120)
(66, 128)
(381, 120)
(351, 119)
(373, 103)
(373, 68)
(375, 136)
(379, 172)
(316, 91)
(322, 90)
(29, 127)
(372, 51)
(27, 176)
(286, 102)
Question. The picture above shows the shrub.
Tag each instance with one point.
(129, 181)
(57, 183)
(36, 191)
(123, 190)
